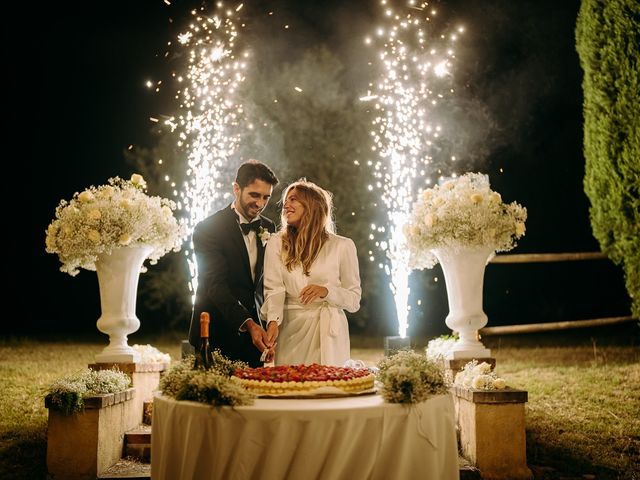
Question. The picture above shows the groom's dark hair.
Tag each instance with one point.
(253, 170)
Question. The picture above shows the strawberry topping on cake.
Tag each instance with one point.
(294, 379)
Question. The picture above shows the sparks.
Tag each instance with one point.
(210, 113)
(411, 78)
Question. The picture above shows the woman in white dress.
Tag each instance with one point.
(311, 276)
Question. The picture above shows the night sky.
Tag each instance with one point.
(86, 100)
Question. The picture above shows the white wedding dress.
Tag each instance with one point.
(318, 332)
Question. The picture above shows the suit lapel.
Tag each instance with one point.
(238, 240)
(260, 259)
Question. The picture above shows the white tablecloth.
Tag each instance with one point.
(347, 438)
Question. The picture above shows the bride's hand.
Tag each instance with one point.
(309, 293)
(268, 354)
(272, 334)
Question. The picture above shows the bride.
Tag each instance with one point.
(310, 277)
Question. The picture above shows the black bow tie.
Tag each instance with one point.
(247, 227)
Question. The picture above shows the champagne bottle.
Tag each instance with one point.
(204, 359)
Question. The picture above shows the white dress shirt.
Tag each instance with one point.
(250, 242)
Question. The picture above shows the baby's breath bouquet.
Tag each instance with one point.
(438, 348)
(119, 214)
(462, 213)
(67, 394)
(216, 386)
(479, 376)
(408, 377)
(150, 354)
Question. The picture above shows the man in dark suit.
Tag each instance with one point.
(229, 248)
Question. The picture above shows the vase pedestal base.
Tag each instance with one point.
(110, 358)
(469, 354)
(118, 355)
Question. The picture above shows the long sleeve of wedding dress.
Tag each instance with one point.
(274, 287)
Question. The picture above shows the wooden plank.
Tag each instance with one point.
(551, 326)
(547, 257)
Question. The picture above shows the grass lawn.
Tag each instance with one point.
(583, 415)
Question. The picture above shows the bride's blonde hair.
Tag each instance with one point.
(301, 246)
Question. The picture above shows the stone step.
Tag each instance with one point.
(137, 443)
(138, 452)
(141, 434)
(127, 468)
(467, 470)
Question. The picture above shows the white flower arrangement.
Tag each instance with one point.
(479, 376)
(264, 235)
(101, 219)
(462, 213)
(67, 394)
(150, 354)
(438, 348)
(216, 386)
(408, 377)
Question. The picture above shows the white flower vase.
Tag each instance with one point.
(464, 274)
(118, 279)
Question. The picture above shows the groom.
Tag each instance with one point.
(229, 252)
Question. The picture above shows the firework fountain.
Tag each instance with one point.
(413, 66)
(210, 112)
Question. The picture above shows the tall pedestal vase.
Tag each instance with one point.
(118, 279)
(464, 276)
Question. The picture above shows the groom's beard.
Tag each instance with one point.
(249, 210)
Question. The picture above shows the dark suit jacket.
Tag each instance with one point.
(225, 287)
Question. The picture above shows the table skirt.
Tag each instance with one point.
(346, 438)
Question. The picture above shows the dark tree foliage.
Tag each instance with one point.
(164, 289)
(608, 42)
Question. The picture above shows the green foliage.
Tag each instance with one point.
(608, 42)
(409, 377)
(164, 289)
(215, 386)
(582, 416)
(67, 394)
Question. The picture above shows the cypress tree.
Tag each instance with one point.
(608, 43)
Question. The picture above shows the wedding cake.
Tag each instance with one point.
(305, 379)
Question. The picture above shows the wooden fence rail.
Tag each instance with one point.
(550, 326)
(546, 257)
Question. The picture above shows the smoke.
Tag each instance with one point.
(511, 59)
(516, 59)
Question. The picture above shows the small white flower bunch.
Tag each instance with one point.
(216, 386)
(461, 213)
(264, 235)
(479, 376)
(438, 348)
(408, 377)
(119, 214)
(150, 354)
(67, 394)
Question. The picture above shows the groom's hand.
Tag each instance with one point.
(258, 335)
(309, 293)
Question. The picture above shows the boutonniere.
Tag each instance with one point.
(264, 235)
